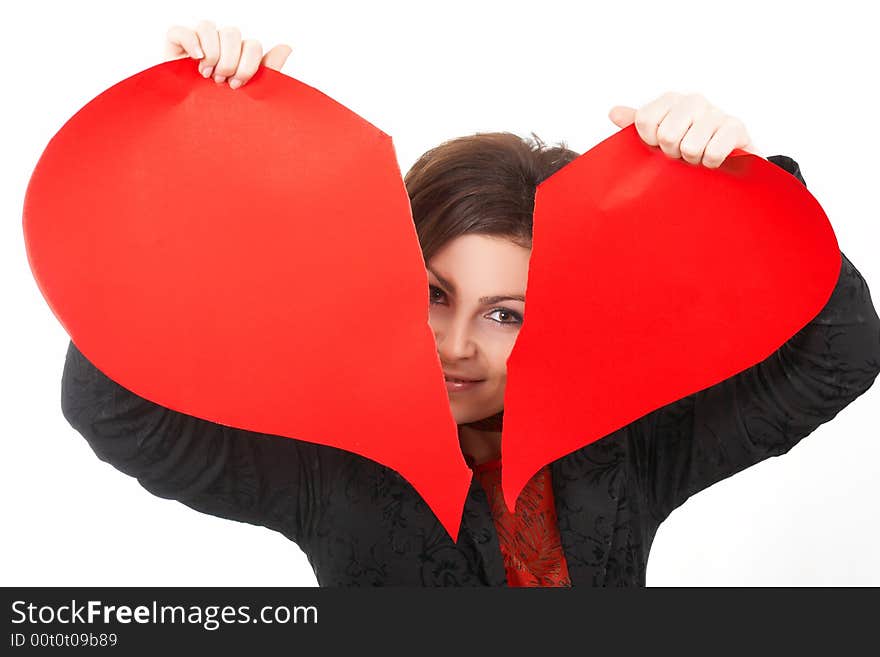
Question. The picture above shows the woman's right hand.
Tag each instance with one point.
(223, 53)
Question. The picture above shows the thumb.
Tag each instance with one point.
(622, 116)
(276, 57)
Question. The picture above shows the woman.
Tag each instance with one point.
(587, 518)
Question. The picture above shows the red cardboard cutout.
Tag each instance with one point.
(249, 257)
(651, 279)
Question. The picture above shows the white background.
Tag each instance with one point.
(801, 76)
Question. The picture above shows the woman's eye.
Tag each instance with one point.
(435, 294)
(506, 316)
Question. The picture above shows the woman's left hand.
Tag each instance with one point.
(686, 126)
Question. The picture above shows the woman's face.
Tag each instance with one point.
(477, 288)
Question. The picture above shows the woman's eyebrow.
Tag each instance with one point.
(483, 300)
(442, 280)
(503, 297)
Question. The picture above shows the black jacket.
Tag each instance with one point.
(361, 524)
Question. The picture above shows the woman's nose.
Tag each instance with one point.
(455, 342)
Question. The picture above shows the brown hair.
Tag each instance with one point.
(483, 183)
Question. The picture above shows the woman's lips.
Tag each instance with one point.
(453, 385)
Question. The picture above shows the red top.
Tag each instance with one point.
(529, 537)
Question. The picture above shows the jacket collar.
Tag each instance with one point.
(477, 520)
(587, 488)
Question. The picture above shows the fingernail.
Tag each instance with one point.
(235, 84)
(219, 78)
(199, 53)
(207, 72)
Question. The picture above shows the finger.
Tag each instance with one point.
(230, 53)
(744, 141)
(751, 148)
(723, 141)
(649, 117)
(251, 54)
(622, 116)
(276, 57)
(694, 143)
(210, 40)
(180, 41)
(678, 121)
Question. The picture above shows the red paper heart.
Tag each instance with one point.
(249, 257)
(651, 279)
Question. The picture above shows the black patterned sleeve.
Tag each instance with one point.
(249, 477)
(765, 410)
